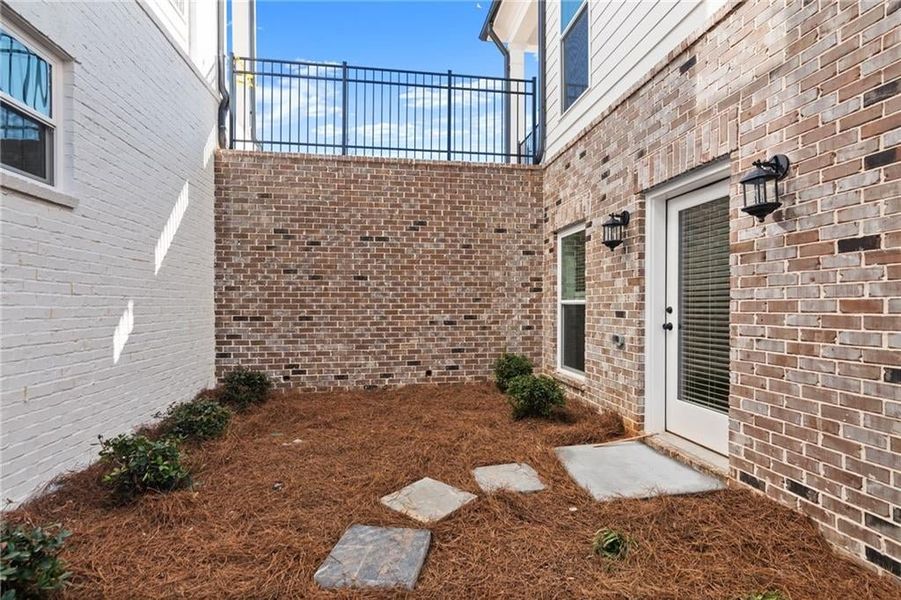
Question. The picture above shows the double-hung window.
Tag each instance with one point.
(574, 47)
(571, 300)
(27, 118)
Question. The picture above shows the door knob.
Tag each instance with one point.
(668, 326)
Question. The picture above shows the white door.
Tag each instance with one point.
(697, 313)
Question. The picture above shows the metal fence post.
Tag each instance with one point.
(534, 119)
(233, 101)
(450, 112)
(344, 107)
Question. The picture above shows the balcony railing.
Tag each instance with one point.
(339, 109)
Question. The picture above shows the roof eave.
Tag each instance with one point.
(489, 20)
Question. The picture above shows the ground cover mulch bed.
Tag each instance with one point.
(265, 511)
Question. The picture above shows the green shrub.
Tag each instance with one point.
(532, 396)
(610, 544)
(29, 566)
(509, 366)
(140, 464)
(242, 388)
(198, 419)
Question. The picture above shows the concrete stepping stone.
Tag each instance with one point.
(631, 470)
(375, 557)
(427, 500)
(512, 477)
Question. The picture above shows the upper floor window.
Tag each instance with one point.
(574, 26)
(27, 116)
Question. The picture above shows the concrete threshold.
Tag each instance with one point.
(690, 453)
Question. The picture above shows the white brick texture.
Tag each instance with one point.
(138, 126)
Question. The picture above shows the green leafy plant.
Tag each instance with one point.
(767, 595)
(509, 366)
(610, 544)
(198, 419)
(140, 464)
(243, 388)
(29, 563)
(534, 396)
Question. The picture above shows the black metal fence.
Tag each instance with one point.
(325, 108)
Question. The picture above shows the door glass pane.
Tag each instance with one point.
(575, 60)
(574, 337)
(23, 142)
(572, 270)
(24, 75)
(704, 305)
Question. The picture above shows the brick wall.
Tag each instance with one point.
(362, 272)
(133, 149)
(816, 301)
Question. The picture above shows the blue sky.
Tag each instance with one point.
(409, 34)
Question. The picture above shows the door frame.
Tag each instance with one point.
(655, 284)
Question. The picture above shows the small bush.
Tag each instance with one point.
(243, 388)
(29, 566)
(509, 366)
(198, 420)
(610, 544)
(140, 464)
(532, 396)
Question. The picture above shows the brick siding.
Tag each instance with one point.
(351, 272)
(816, 290)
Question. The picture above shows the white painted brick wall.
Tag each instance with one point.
(142, 123)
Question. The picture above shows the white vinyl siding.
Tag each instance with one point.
(627, 39)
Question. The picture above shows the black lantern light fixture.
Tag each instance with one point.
(760, 186)
(614, 228)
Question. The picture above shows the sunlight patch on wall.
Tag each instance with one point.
(210, 147)
(165, 241)
(123, 330)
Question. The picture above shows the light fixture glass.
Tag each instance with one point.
(614, 229)
(760, 186)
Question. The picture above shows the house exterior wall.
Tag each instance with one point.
(815, 404)
(352, 272)
(626, 40)
(129, 269)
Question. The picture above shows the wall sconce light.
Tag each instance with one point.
(760, 186)
(614, 227)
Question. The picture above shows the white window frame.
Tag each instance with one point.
(586, 6)
(564, 233)
(54, 122)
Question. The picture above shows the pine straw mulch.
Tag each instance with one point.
(236, 536)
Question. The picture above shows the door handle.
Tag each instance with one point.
(668, 326)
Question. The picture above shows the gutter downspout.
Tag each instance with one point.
(506, 54)
(542, 86)
(224, 102)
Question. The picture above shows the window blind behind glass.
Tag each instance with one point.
(704, 305)
(573, 267)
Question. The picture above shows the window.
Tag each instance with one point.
(574, 27)
(571, 292)
(27, 116)
(703, 375)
